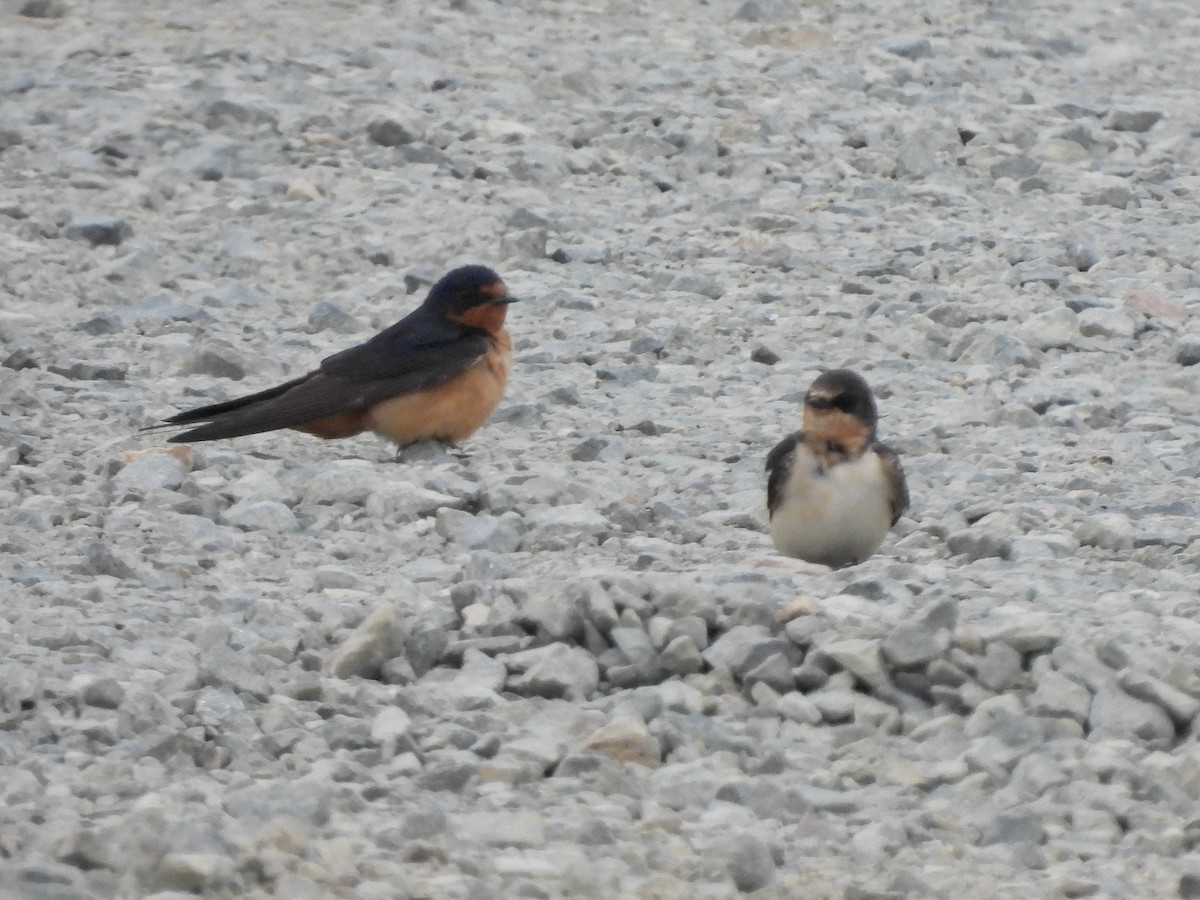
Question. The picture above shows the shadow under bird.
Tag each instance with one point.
(833, 490)
(437, 374)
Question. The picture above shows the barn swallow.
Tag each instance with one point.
(833, 490)
(437, 373)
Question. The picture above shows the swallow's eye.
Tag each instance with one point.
(844, 403)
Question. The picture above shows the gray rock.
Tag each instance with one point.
(830, 801)
(218, 360)
(1014, 167)
(1109, 323)
(686, 785)
(911, 48)
(104, 693)
(799, 708)
(1055, 328)
(148, 471)
(764, 355)
(529, 243)
(328, 316)
(261, 515)
(553, 671)
(83, 371)
(424, 646)
(548, 614)
(425, 154)
(559, 527)
(1081, 255)
(497, 534)
(381, 256)
(766, 11)
(692, 626)
(380, 637)
(634, 644)
(810, 675)
(694, 283)
(626, 742)
(193, 872)
(43, 9)
(1119, 196)
(993, 348)
(1187, 351)
(681, 656)
(835, 704)
(1181, 707)
(98, 230)
(775, 671)
(769, 796)
(390, 725)
(1013, 828)
(522, 828)
(742, 648)
(1116, 714)
(860, 657)
(21, 358)
(1136, 120)
(391, 132)
(980, 542)
(912, 646)
(876, 714)
(1108, 531)
(1025, 632)
(927, 149)
(347, 481)
(223, 112)
(1000, 667)
(100, 559)
(1058, 695)
(10, 137)
(592, 254)
(523, 217)
(602, 449)
(750, 863)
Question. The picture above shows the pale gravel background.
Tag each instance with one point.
(1020, 286)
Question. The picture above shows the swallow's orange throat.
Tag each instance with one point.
(488, 317)
(834, 436)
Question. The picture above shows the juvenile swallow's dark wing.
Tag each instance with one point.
(897, 484)
(779, 467)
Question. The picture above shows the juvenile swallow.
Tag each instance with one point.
(437, 373)
(833, 490)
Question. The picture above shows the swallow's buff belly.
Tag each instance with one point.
(837, 517)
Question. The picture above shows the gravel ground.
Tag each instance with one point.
(564, 662)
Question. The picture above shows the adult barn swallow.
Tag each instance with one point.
(833, 490)
(437, 373)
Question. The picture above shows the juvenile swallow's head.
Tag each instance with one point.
(839, 408)
(468, 294)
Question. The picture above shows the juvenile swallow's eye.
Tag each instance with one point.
(844, 403)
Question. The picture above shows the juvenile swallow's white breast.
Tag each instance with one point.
(837, 515)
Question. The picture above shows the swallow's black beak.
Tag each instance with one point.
(507, 298)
